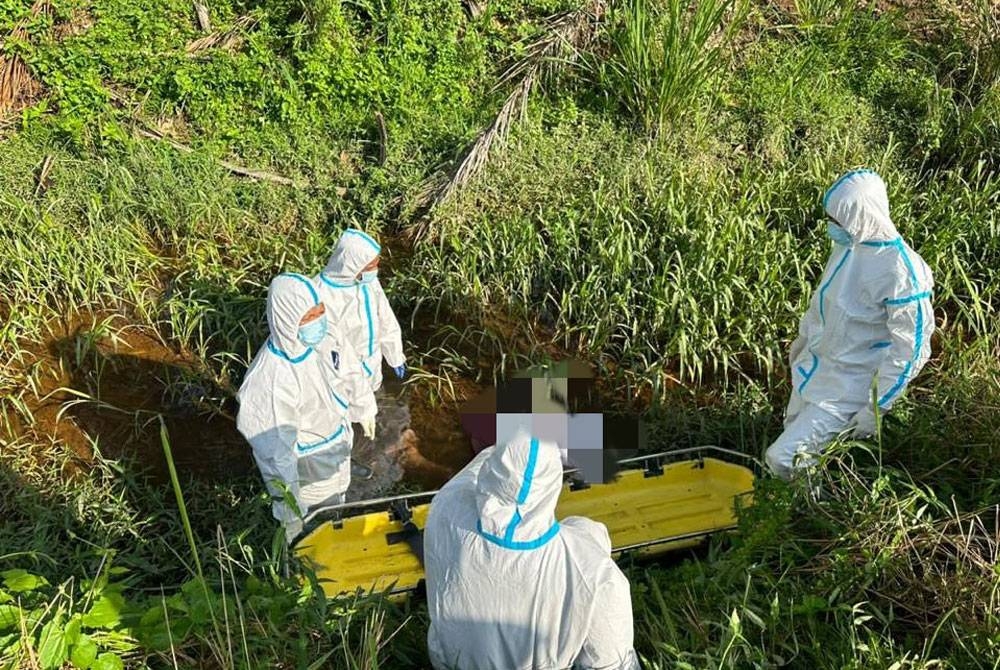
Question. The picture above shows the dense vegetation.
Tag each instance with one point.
(655, 210)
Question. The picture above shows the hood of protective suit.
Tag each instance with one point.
(858, 201)
(508, 588)
(289, 297)
(517, 491)
(355, 249)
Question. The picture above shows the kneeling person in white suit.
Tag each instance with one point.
(509, 587)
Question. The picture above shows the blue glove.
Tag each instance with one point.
(400, 370)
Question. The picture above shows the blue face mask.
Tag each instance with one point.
(838, 234)
(313, 332)
(369, 276)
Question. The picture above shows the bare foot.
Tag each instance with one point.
(416, 464)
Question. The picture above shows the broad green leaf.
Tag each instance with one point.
(155, 634)
(201, 602)
(84, 652)
(10, 615)
(178, 602)
(73, 630)
(10, 646)
(52, 649)
(193, 587)
(810, 604)
(253, 586)
(34, 616)
(108, 661)
(106, 611)
(151, 617)
(22, 581)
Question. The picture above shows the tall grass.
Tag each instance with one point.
(695, 256)
(678, 262)
(93, 571)
(978, 128)
(661, 55)
(817, 11)
(880, 573)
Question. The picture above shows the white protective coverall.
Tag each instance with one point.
(361, 312)
(871, 317)
(509, 587)
(293, 409)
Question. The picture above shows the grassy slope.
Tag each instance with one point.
(685, 257)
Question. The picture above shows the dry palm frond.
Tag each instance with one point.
(259, 175)
(475, 8)
(565, 36)
(16, 83)
(476, 157)
(201, 13)
(224, 39)
(42, 181)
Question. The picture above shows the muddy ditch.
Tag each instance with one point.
(99, 382)
(101, 385)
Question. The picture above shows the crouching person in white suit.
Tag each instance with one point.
(511, 588)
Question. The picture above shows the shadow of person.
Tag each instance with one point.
(22, 537)
(116, 387)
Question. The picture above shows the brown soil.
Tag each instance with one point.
(99, 381)
(437, 447)
(108, 392)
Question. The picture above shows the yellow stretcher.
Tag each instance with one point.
(656, 507)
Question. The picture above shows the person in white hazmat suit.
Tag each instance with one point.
(357, 305)
(871, 318)
(509, 587)
(294, 406)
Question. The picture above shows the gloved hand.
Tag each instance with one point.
(368, 427)
(400, 370)
(863, 424)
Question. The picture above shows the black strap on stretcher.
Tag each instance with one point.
(410, 534)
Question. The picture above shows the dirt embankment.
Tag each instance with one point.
(101, 384)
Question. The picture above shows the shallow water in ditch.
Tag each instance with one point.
(419, 445)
